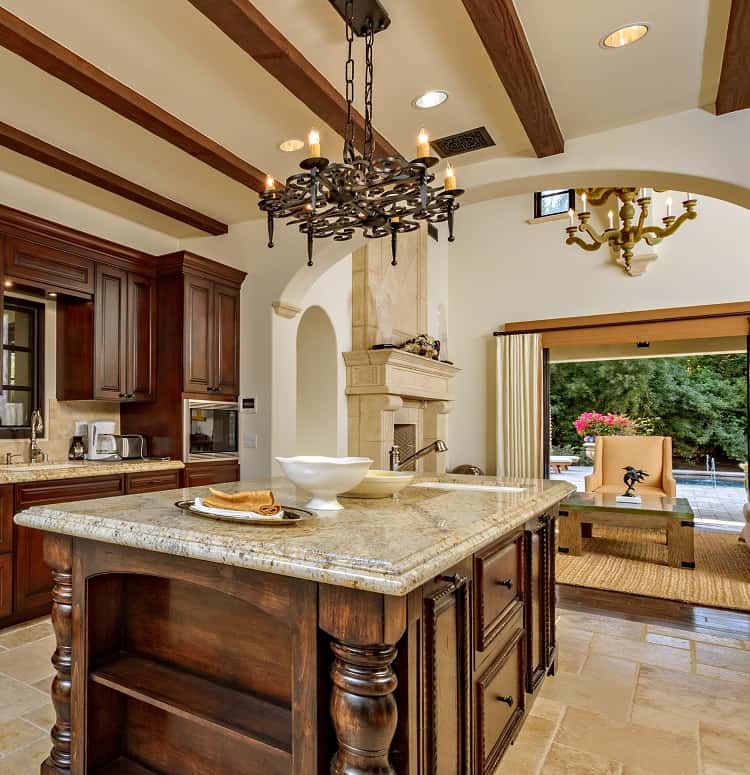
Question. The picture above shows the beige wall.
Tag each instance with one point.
(503, 269)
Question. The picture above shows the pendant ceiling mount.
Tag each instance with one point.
(381, 197)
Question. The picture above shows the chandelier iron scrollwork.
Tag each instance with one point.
(622, 239)
(381, 197)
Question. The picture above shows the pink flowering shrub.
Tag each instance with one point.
(598, 424)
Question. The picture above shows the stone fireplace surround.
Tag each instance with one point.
(391, 387)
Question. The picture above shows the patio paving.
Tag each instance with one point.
(717, 507)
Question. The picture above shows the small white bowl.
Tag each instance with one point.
(381, 484)
(324, 477)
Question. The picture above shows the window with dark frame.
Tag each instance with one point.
(23, 366)
(554, 202)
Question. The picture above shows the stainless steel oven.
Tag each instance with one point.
(211, 430)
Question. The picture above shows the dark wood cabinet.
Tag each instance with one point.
(204, 474)
(47, 266)
(6, 585)
(198, 335)
(211, 338)
(226, 317)
(140, 367)
(25, 579)
(110, 333)
(6, 518)
(540, 600)
(447, 666)
(124, 335)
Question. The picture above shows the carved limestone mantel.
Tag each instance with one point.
(399, 373)
(386, 388)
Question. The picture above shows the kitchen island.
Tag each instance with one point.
(406, 636)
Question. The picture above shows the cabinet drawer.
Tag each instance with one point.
(500, 704)
(497, 571)
(152, 481)
(38, 493)
(6, 584)
(204, 474)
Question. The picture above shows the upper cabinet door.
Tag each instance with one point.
(141, 328)
(199, 335)
(110, 333)
(226, 381)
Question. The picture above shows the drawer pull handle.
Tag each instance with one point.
(507, 700)
(507, 583)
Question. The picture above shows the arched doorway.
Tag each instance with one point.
(317, 358)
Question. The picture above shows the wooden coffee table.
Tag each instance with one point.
(583, 509)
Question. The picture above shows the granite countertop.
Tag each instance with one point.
(42, 472)
(387, 546)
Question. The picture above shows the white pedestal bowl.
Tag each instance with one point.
(324, 477)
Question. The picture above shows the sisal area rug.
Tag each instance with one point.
(634, 561)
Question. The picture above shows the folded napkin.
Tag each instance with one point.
(259, 501)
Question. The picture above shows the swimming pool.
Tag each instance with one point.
(704, 481)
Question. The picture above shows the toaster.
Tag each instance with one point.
(131, 445)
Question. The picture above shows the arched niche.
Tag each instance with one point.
(317, 388)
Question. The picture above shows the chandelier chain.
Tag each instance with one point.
(349, 151)
(369, 148)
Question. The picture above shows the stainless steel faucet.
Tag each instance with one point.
(37, 426)
(395, 454)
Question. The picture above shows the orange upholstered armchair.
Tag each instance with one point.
(652, 454)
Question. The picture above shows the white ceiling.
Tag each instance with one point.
(173, 55)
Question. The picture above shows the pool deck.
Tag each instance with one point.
(715, 508)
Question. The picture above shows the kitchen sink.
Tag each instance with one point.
(461, 486)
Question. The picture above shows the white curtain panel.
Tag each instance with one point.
(520, 410)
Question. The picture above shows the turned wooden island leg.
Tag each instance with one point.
(365, 628)
(58, 555)
(363, 708)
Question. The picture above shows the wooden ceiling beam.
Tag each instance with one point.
(28, 145)
(35, 47)
(734, 84)
(240, 21)
(502, 34)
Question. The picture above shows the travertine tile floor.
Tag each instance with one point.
(629, 699)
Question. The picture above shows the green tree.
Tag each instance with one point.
(700, 401)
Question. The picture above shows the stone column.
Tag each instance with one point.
(435, 427)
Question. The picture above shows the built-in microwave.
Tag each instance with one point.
(211, 430)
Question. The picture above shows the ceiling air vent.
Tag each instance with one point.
(463, 142)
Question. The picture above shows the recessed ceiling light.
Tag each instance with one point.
(292, 145)
(8, 284)
(52, 295)
(624, 36)
(430, 99)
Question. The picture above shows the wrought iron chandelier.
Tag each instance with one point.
(623, 238)
(381, 197)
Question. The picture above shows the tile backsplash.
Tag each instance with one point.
(59, 423)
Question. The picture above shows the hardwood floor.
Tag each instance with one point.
(716, 621)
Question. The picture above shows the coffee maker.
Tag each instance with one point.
(102, 442)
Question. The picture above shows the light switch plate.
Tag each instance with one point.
(250, 440)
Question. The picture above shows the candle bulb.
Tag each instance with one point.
(611, 217)
(450, 178)
(571, 216)
(313, 144)
(669, 207)
(583, 199)
(270, 183)
(687, 195)
(423, 144)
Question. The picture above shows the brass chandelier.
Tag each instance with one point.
(623, 238)
(381, 197)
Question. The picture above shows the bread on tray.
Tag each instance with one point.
(258, 501)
